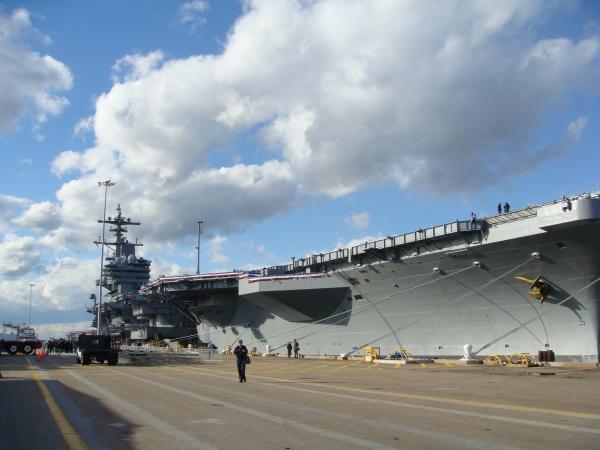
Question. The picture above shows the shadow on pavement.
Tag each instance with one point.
(26, 421)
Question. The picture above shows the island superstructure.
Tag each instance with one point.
(521, 281)
(126, 312)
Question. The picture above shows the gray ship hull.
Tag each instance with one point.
(437, 296)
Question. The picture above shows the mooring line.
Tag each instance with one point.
(445, 305)
(514, 330)
(356, 311)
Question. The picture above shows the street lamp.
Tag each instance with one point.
(200, 224)
(106, 185)
(30, 295)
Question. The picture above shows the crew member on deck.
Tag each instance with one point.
(296, 348)
(289, 349)
(241, 355)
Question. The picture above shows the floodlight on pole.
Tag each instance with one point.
(200, 224)
(106, 184)
(30, 295)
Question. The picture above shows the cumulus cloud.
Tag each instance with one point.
(191, 13)
(58, 330)
(10, 206)
(67, 283)
(28, 80)
(18, 256)
(84, 126)
(40, 216)
(357, 241)
(360, 221)
(215, 250)
(380, 95)
(160, 267)
(135, 66)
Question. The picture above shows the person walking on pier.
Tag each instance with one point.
(296, 348)
(289, 349)
(499, 208)
(211, 348)
(241, 356)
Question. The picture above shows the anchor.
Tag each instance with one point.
(539, 288)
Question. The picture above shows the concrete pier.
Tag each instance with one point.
(295, 404)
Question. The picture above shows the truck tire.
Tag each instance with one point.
(113, 360)
(13, 349)
(78, 360)
(87, 360)
(27, 349)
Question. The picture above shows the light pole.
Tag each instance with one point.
(200, 223)
(106, 185)
(30, 295)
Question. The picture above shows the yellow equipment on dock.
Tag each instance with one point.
(516, 359)
(372, 353)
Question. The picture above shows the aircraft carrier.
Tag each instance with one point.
(125, 313)
(521, 281)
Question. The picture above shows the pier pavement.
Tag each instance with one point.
(294, 404)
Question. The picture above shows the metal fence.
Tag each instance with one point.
(151, 350)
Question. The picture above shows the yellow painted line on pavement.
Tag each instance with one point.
(472, 403)
(71, 437)
(345, 366)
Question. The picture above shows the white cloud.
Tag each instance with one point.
(161, 267)
(136, 66)
(27, 161)
(40, 216)
(191, 13)
(59, 330)
(18, 256)
(84, 126)
(357, 241)
(360, 221)
(381, 95)
(215, 250)
(28, 79)
(67, 284)
(10, 206)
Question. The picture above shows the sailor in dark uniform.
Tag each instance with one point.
(241, 355)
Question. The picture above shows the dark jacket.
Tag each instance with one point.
(240, 352)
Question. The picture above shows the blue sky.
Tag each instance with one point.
(289, 127)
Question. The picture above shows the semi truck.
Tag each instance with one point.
(17, 338)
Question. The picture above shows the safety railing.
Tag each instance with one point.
(200, 353)
(419, 235)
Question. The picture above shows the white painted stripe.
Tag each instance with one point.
(188, 440)
(459, 441)
(535, 423)
(509, 419)
(263, 415)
